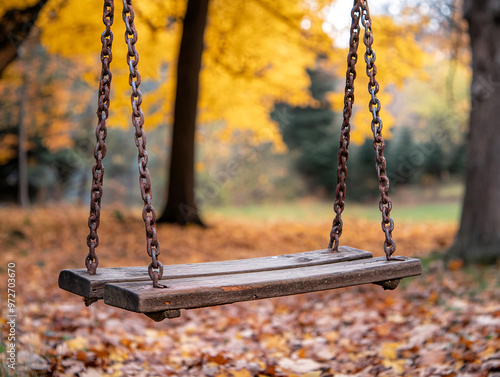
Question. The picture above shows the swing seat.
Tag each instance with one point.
(191, 286)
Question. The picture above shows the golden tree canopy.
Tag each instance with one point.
(256, 52)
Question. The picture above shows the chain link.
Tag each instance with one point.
(361, 10)
(343, 153)
(92, 261)
(374, 106)
(155, 268)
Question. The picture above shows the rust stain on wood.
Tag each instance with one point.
(231, 289)
(236, 288)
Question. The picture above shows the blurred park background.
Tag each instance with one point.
(243, 103)
(269, 112)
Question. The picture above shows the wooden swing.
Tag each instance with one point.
(189, 286)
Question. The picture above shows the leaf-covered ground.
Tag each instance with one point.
(444, 323)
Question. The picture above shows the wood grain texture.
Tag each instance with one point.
(78, 281)
(196, 292)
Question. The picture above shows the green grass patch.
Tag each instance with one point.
(323, 211)
(427, 260)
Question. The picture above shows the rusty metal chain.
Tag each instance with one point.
(385, 203)
(155, 268)
(361, 10)
(92, 261)
(343, 153)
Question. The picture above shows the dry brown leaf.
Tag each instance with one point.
(91, 372)
(389, 350)
(299, 366)
(360, 330)
(432, 358)
(240, 373)
(312, 374)
(219, 358)
(77, 343)
(455, 264)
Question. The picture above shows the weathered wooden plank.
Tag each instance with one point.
(190, 293)
(78, 281)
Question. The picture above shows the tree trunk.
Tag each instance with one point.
(24, 200)
(15, 28)
(181, 206)
(478, 238)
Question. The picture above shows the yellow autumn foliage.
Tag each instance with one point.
(42, 92)
(398, 57)
(256, 52)
(8, 147)
(9, 4)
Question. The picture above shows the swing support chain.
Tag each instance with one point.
(155, 268)
(385, 204)
(345, 138)
(361, 11)
(91, 260)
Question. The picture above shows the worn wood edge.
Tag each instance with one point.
(131, 296)
(132, 300)
(391, 284)
(79, 282)
(73, 282)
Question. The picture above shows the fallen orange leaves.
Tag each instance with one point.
(446, 322)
